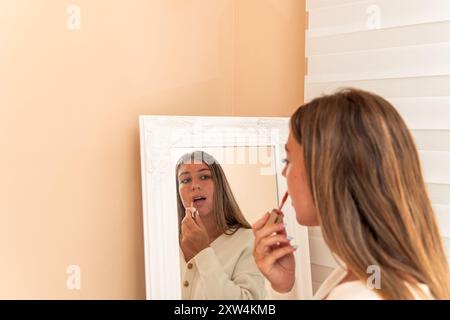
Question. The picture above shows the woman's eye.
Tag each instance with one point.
(285, 161)
(184, 181)
(205, 177)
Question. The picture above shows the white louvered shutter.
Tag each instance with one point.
(400, 50)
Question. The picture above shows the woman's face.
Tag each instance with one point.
(295, 174)
(195, 185)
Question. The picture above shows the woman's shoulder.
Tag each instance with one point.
(234, 237)
(238, 238)
(353, 290)
(358, 290)
(243, 233)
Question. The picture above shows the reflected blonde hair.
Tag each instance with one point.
(226, 210)
(364, 174)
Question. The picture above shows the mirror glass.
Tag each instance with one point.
(251, 175)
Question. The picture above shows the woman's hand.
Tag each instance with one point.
(194, 237)
(274, 255)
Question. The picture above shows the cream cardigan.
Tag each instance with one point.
(226, 270)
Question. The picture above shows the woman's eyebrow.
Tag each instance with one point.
(185, 172)
(188, 172)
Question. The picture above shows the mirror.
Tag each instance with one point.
(249, 150)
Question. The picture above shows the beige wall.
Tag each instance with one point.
(69, 106)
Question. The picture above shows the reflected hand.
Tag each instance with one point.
(273, 254)
(194, 237)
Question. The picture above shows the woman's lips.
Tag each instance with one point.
(199, 201)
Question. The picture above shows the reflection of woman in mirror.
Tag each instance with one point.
(352, 168)
(216, 241)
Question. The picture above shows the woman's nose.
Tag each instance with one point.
(195, 185)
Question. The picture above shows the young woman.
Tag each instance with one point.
(352, 168)
(216, 241)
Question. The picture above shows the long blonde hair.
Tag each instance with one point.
(228, 215)
(365, 178)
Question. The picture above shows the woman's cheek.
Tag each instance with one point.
(291, 179)
(184, 197)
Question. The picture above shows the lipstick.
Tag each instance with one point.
(283, 201)
(193, 210)
(277, 216)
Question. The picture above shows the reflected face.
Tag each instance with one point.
(295, 174)
(195, 185)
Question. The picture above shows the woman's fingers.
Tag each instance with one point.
(283, 231)
(193, 225)
(277, 254)
(191, 212)
(275, 239)
(199, 222)
(188, 222)
(265, 246)
(184, 225)
(267, 231)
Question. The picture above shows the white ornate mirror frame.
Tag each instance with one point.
(158, 135)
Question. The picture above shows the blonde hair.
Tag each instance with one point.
(227, 213)
(366, 182)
